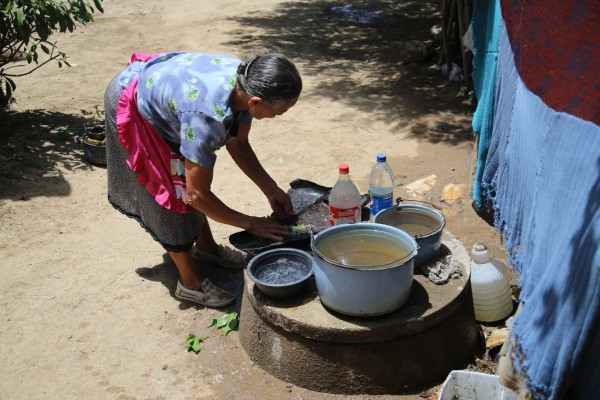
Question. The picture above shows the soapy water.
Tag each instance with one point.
(364, 248)
(282, 271)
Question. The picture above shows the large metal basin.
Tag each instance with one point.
(369, 289)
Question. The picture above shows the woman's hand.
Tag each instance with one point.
(280, 203)
(266, 228)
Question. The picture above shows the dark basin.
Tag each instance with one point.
(282, 272)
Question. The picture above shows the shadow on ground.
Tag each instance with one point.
(352, 46)
(37, 146)
(166, 273)
(357, 44)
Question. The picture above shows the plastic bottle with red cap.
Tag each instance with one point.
(344, 199)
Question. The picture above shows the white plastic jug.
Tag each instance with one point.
(490, 286)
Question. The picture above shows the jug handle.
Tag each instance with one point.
(400, 200)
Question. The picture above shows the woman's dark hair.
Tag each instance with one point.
(272, 77)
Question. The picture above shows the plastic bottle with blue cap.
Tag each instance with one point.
(381, 186)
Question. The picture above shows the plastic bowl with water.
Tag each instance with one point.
(281, 272)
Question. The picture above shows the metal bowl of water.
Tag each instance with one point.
(425, 224)
(281, 272)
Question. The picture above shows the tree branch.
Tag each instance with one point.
(51, 58)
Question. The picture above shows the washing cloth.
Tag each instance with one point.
(442, 270)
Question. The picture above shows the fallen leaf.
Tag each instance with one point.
(193, 342)
(226, 323)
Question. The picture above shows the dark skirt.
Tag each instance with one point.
(174, 231)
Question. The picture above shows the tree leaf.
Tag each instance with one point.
(8, 89)
(20, 16)
(10, 82)
(226, 323)
(98, 5)
(70, 24)
(231, 326)
(194, 343)
(62, 24)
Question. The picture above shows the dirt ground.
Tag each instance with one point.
(86, 296)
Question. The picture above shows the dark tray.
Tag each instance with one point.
(310, 202)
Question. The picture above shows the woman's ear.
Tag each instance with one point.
(254, 101)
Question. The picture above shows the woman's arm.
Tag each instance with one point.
(243, 155)
(199, 180)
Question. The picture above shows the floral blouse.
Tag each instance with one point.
(186, 98)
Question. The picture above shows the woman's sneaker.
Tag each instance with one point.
(225, 257)
(208, 295)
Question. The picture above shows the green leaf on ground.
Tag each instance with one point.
(226, 323)
(193, 343)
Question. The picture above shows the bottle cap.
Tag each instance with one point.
(381, 157)
(480, 253)
(344, 169)
(479, 247)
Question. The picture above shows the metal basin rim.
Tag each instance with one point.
(400, 262)
(417, 207)
(275, 252)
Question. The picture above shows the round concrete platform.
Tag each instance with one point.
(304, 343)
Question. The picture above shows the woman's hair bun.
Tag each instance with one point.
(242, 67)
(272, 77)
